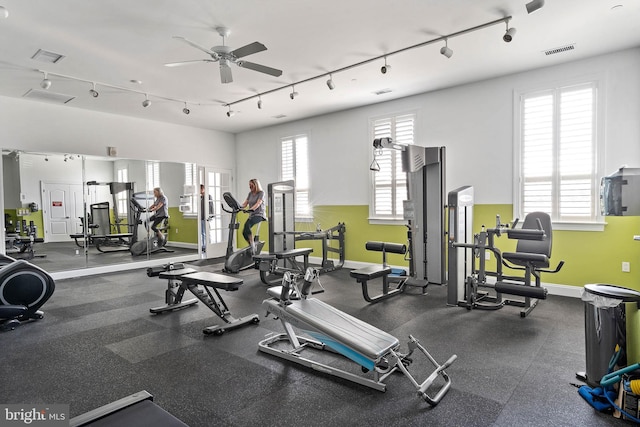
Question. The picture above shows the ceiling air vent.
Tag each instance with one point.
(280, 116)
(382, 91)
(560, 49)
(46, 56)
(41, 95)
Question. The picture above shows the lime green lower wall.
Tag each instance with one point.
(182, 229)
(590, 256)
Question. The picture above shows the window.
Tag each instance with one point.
(558, 154)
(121, 197)
(191, 179)
(295, 165)
(390, 182)
(153, 175)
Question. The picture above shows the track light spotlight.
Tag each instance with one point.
(146, 101)
(330, 83)
(185, 109)
(93, 91)
(508, 36)
(230, 113)
(386, 67)
(534, 5)
(293, 93)
(259, 103)
(446, 50)
(45, 83)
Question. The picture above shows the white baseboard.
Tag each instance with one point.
(183, 245)
(553, 288)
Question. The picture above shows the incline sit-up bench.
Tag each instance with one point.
(375, 351)
(184, 278)
(365, 274)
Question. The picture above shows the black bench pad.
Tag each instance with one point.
(371, 272)
(214, 280)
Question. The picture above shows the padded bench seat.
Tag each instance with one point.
(347, 330)
(525, 257)
(214, 280)
(370, 272)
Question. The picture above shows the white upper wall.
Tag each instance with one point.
(40, 126)
(474, 122)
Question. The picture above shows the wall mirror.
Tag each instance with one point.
(89, 211)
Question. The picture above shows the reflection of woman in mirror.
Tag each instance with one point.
(160, 209)
(255, 203)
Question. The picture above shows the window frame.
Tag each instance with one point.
(596, 223)
(300, 217)
(399, 217)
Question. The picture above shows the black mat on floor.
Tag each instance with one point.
(98, 343)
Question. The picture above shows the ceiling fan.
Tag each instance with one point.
(224, 55)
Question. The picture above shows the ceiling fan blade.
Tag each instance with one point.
(260, 68)
(195, 61)
(225, 73)
(197, 46)
(249, 49)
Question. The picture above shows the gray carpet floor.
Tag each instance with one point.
(98, 343)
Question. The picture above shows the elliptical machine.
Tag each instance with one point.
(234, 261)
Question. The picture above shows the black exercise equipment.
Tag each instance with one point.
(189, 279)
(366, 274)
(328, 236)
(531, 256)
(24, 288)
(137, 409)
(151, 244)
(283, 254)
(234, 261)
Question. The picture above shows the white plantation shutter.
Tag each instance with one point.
(191, 178)
(153, 175)
(558, 164)
(294, 165)
(390, 182)
(121, 197)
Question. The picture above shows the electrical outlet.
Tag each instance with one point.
(176, 231)
(487, 255)
(626, 267)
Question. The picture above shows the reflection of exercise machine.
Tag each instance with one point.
(185, 278)
(152, 243)
(98, 228)
(136, 409)
(23, 245)
(234, 261)
(283, 255)
(24, 288)
(531, 256)
(334, 331)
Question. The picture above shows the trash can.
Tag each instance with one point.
(605, 326)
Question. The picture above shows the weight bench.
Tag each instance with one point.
(375, 351)
(268, 264)
(365, 274)
(190, 279)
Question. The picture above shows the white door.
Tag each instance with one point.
(61, 211)
(216, 182)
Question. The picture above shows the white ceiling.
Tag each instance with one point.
(116, 41)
